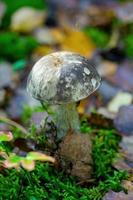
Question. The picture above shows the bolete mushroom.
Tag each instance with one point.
(63, 78)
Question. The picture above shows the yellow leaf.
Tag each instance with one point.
(43, 50)
(82, 106)
(77, 41)
(58, 34)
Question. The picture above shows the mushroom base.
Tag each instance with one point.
(66, 118)
(75, 152)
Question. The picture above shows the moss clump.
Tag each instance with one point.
(45, 182)
(99, 36)
(105, 144)
(16, 47)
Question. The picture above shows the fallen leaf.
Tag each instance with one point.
(127, 145)
(123, 77)
(27, 19)
(124, 12)
(95, 15)
(89, 104)
(124, 120)
(77, 41)
(121, 99)
(5, 81)
(82, 106)
(107, 90)
(107, 68)
(118, 196)
(120, 164)
(42, 51)
(128, 185)
(98, 120)
(45, 36)
(58, 34)
(106, 113)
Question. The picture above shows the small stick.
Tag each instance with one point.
(12, 123)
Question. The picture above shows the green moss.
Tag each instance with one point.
(99, 36)
(128, 45)
(124, 1)
(45, 182)
(13, 5)
(106, 144)
(15, 47)
(28, 111)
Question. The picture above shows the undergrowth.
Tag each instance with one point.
(128, 44)
(15, 47)
(99, 36)
(46, 182)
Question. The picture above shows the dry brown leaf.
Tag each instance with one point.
(95, 15)
(100, 121)
(88, 104)
(128, 185)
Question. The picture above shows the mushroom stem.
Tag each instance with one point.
(66, 118)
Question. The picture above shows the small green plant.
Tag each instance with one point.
(99, 36)
(128, 45)
(9, 159)
(45, 182)
(28, 111)
(15, 47)
(106, 144)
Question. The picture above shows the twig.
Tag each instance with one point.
(13, 123)
(114, 38)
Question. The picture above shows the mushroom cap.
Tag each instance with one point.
(62, 77)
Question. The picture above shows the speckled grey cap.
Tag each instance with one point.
(62, 77)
